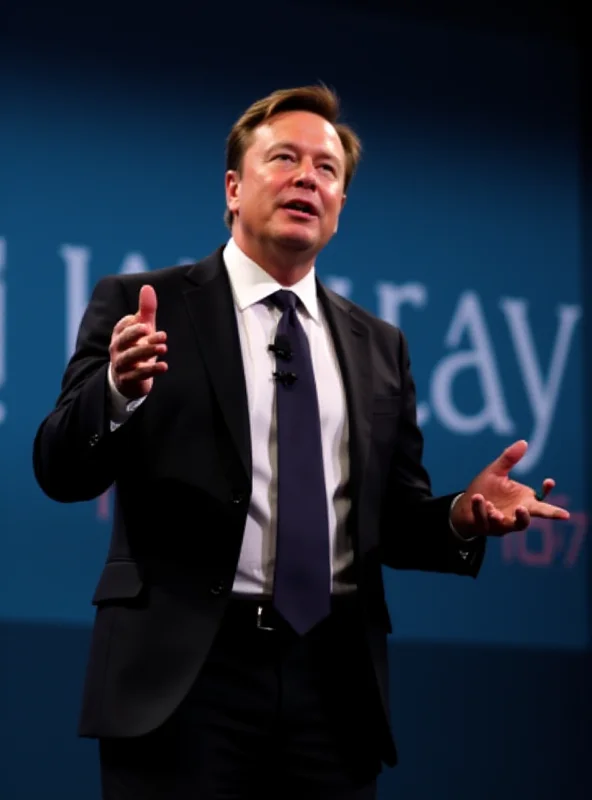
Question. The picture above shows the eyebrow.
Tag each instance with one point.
(286, 145)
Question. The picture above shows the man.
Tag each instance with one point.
(263, 443)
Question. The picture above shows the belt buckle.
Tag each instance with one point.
(260, 620)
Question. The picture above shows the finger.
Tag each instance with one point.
(138, 334)
(548, 486)
(522, 519)
(137, 355)
(480, 513)
(147, 304)
(129, 338)
(143, 371)
(494, 514)
(497, 522)
(548, 511)
(158, 337)
(130, 335)
(123, 323)
(506, 462)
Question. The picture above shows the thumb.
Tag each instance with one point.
(147, 304)
(510, 457)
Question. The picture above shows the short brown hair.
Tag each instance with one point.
(317, 99)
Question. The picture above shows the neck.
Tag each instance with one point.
(285, 266)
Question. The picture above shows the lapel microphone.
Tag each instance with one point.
(285, 378)
(281, 347)
(283, 351)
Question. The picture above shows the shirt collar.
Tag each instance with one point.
(251, 284)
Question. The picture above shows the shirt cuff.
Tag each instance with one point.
(452, 528)
(120, 408)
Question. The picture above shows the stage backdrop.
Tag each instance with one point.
(462, 227)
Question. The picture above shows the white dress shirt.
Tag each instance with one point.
(257, 324)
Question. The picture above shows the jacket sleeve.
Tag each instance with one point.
(415, 531)
(75, 451)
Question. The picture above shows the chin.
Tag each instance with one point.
(297, 241)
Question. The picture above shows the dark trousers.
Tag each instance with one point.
(271, 716)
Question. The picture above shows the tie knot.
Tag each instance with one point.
(284, 299)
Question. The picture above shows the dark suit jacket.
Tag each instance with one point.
(181, 466)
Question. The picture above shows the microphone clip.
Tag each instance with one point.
(285, 378)
(281, 348)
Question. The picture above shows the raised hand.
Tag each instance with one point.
(494, 504)
(136, 347)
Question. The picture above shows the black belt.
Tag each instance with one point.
(257, 611)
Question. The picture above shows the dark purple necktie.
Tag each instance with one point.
(302, 579)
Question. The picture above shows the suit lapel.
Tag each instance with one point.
(210, 304)
(211, 307)
(351, 338)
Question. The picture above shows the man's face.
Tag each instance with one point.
(289, 192)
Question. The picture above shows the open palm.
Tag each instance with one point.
(494, 504)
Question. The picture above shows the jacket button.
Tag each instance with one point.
(94, 439)
(217, 588)
(238, 498)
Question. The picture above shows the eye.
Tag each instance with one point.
(328, 168)
(283, 157)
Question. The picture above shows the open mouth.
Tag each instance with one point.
(301, 208)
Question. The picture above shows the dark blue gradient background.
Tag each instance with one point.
(470, 187)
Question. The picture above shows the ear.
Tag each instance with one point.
(232, 185)
(343, 199)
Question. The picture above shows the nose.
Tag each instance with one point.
(305, 175)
